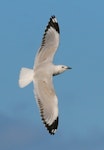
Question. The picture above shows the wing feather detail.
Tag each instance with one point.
(50, 42)
(48, 104)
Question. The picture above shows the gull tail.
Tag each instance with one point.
(25, 77)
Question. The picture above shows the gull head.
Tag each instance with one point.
(60, 68)
(63, 67)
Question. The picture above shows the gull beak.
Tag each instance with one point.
(69, 68)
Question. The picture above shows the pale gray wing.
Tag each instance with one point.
(47, 102)
(50, 42)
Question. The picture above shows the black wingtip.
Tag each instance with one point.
(53, 127)
(53, 23)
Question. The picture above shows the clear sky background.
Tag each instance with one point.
(80, 91)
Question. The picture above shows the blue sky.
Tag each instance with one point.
(80, 91)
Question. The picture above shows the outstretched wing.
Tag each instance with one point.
(50, 42)
(47, 102)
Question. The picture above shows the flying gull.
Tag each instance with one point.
(42, 75)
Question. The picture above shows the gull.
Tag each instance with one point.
(42, 75)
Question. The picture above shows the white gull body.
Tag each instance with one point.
(42, 74)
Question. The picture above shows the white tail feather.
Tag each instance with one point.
(26, 77)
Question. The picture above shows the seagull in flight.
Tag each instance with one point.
(42, 75)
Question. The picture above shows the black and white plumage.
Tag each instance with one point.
(42, 74)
